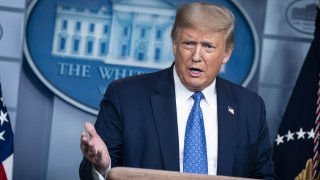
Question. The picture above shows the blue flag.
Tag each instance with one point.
(294, 142)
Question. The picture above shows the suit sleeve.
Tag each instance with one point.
(264, 168)
(108, 126)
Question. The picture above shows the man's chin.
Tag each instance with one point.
(195, 87)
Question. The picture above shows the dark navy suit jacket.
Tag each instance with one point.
(138, 122)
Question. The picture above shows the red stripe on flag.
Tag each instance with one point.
(3, 175)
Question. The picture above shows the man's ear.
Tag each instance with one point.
(227, 55)
(174, 45)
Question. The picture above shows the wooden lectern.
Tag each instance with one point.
(123, 173)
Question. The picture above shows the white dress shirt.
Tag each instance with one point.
(184, 103)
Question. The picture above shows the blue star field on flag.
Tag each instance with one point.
(6, 134)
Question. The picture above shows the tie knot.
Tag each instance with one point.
(197, 96)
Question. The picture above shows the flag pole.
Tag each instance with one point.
(315, 158)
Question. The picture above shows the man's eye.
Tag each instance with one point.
(188, 44)
(209, 47)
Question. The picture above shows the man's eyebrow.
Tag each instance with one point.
(207, 42)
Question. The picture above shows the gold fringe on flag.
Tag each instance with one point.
(306, 174)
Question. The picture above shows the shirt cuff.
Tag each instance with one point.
(97, 176)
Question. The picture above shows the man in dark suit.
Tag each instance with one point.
(144, 120)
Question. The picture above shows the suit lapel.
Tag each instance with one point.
(164, 110)
(227, 113)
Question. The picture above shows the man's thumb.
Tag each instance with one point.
(90, 129)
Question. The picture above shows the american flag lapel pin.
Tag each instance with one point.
(231, 110)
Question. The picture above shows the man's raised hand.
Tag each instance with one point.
(94, 149)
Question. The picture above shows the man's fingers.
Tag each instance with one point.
(87, 146)
(84, 143)
(90, 129)
(92, 147)
(83, 138)
(88, 149)
(83, 134)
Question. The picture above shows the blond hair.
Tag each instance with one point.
(207, 17)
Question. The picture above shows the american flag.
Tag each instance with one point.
(294, 143)
(6, 138)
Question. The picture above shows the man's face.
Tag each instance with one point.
(199, 56)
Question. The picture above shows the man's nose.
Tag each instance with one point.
(196, 56)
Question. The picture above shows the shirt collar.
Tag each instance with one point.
(183, 94)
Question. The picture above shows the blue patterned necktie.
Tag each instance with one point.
(195, 148)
